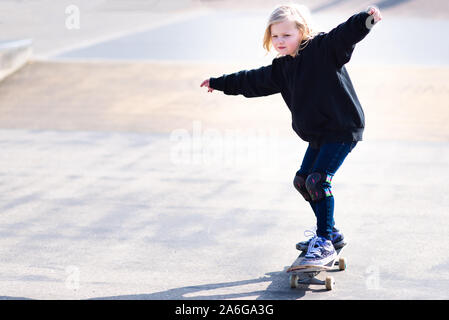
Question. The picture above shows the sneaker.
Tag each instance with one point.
(320, 252)
(337, 238)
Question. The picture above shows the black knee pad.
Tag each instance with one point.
(300, 184)
(318, 185)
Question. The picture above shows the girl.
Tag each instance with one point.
(310, 74)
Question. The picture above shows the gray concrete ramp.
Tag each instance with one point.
(114, 215)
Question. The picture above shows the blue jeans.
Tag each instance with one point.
(325, 160)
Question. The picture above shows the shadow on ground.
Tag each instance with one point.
(278, 289)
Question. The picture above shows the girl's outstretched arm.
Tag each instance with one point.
(340, 41)
(259, 82)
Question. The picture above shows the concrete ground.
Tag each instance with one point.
(126, 180)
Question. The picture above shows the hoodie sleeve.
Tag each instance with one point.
(341, 41)
(250, 83)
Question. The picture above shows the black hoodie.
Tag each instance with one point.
(315, 85)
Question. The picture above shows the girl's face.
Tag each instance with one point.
(285, 37)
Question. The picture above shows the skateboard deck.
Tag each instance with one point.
(306, 274)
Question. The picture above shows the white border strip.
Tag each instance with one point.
(15, 44)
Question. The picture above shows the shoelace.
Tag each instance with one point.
(309, 233)
(312, 233)
(312, 250)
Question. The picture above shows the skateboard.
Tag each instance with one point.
(304, 274)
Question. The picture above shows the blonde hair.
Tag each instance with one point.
(300, 15)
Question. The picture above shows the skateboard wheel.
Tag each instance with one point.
(293, 281)
(330, 283)
(342, 263)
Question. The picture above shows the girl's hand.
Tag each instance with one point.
(206, 83)
(375, 12)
